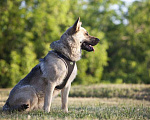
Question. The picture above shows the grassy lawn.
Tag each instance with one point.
(121, 106)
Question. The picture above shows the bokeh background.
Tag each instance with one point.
(27, 27)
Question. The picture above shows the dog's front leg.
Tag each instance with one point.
(48, 96)
(64, 98)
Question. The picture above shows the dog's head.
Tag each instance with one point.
(80, 34)
(73, 40)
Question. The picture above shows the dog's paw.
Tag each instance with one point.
(25, 106)
(65, 110)
(46, 110)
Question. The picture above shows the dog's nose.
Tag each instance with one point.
(97, 40)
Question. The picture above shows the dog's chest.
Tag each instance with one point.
(70, 73)
(71, 77)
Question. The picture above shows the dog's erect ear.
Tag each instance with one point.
(77, 25)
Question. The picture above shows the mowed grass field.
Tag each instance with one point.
(113, 102)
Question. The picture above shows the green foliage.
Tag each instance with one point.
(25, 34)
(129, 47)
(4, 73)
(28, 27)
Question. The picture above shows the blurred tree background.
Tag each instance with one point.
(123, 56)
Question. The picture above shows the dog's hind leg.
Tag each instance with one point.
(23, 99)
(9, 108)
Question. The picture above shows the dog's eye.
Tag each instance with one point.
(87, 33)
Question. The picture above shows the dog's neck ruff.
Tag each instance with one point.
(69, 65)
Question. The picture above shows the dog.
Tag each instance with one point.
(53, 74)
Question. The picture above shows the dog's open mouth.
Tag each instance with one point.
(86, 46)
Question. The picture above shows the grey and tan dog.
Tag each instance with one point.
(46, 79)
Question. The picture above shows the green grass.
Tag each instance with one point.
(96, 107)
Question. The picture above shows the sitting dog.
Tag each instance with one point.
(54, 73)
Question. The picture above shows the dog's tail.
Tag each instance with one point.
(19, 108)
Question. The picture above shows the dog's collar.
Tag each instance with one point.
(69, 65)
(63, 56)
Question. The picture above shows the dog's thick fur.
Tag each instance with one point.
(36, 90)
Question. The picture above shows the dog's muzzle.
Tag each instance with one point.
(88, 46)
